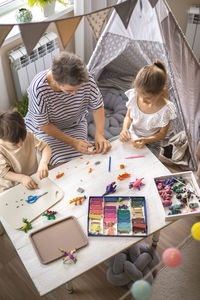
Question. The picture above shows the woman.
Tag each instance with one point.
(58, 103)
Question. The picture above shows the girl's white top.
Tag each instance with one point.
(148, 124)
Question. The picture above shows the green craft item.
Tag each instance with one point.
(27, 226)
(49, 214)
(120, 199)
(137, 203)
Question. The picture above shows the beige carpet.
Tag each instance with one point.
(183, 282)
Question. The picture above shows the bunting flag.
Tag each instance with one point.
(125, 10)
(66, 29)
(97, 20)
(4, 31)
(31, 34)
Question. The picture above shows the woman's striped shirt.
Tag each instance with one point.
(66, 111)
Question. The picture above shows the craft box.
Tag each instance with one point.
(184, 197)
(117, 216)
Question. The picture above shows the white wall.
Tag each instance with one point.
(8, 96)
(180, 9)
(85, 42)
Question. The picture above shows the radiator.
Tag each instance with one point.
(193, 29)
(25, 67)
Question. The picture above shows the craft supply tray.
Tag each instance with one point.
(14, 207)
(66, 234)
(117, 216)
(187, 203)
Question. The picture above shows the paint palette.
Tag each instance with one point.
(117, 216)
(180, 195)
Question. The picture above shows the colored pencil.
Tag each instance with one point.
(136, 156)
(109, 166)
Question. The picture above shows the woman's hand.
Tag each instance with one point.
(101, 144)
(138, 143)
(124, 136)
(82, 146)
(29, 182)
(43, 171)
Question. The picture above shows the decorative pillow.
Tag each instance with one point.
(115, 111)
(132, 264)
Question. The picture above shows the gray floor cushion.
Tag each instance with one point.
(115, 111)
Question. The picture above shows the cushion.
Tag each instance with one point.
(115, 111)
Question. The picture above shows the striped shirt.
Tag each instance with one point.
(66, 111)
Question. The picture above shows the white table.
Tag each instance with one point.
(48, 277)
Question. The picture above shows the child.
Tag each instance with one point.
(149, 111)
(198, 159)
(18, 158)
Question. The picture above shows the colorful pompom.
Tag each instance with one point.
(172, 257)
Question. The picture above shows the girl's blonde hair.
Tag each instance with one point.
(151, 79)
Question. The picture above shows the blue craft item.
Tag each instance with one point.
(123, 206)
(111, 188)
(124, 227)
(33, 199)
(176, 206)
(110, 199)
(125, 216)
(123, 213)
(123, 221)
(109, 166)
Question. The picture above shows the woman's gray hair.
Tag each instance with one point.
(68, 68)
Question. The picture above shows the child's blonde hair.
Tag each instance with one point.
(151, 79)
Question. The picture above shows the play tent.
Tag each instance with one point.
(120, 52)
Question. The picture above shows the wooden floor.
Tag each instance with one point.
(15, 283)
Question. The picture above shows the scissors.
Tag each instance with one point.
(33, 199)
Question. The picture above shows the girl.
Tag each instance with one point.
(18, 158)
(149, 111)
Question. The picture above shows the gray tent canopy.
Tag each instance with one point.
(152, 33)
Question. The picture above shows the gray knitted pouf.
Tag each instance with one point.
(132, 265)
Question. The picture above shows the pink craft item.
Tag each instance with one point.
(110, 220)
(136, 156)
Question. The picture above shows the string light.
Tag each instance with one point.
(143, 290)
(172, 257)
(196, 231)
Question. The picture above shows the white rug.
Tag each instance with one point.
(183, 282)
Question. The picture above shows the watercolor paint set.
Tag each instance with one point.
(117, 216)
(180, 195)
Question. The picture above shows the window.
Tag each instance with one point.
(8, 5)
